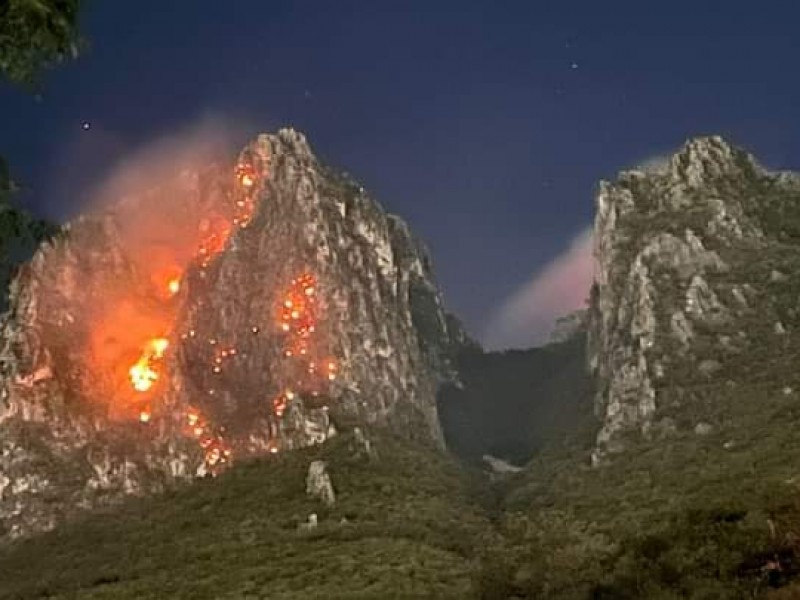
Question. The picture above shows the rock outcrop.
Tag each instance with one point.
(683, 281)
(229, 312)
(318, 483)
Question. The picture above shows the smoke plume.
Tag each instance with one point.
(527, 317)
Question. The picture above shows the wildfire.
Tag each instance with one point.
(297, 312)
(214, 234)
(213, 244)
(144, 373)
(216, 451)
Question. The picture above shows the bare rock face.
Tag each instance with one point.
(318, 483)
(228, 312)
(685, 257)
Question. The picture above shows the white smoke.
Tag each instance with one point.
(527, 317)
(658, 163)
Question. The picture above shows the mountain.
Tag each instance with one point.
(692, 486)
(658, 431)
(694, 290)
(233, 311)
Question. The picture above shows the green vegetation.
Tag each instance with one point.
(695, 516)
(405, 524)
(35, 34)
(683, 516)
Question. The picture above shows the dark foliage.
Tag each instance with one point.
(515, 402)
(35, 34)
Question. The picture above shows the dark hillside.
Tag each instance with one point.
(404, 525)
(515, 402)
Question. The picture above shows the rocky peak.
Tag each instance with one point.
(682, 263)
(705, 160)
(229, 312)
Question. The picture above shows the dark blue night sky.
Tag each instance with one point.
(485, 124)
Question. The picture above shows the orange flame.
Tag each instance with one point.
(166, 261)
(144, 372)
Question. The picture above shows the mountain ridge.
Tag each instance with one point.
(668, 470)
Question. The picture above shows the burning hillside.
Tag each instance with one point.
(226, 312)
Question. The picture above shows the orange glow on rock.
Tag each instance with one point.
(246, 175)
(126, 320)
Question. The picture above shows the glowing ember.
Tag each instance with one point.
(279, 405)
(296, 317)
(246, 174)
(144, 416)
(174, 286)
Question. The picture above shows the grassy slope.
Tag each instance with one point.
(698, 517)
(685, 515)
(411, 532)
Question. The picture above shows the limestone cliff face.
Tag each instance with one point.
(694, 287)
(265, 306)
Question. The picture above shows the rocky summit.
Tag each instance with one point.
(232, 311)
(695, 291)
